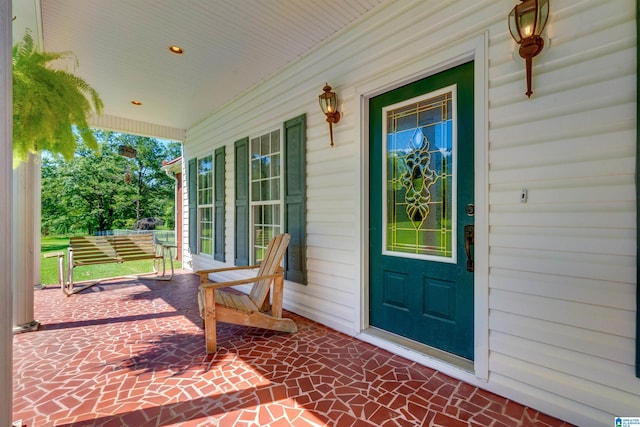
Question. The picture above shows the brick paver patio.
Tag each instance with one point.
(131, 353)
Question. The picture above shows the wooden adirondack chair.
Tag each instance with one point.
(254, 309)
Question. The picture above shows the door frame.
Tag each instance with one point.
(430, 63)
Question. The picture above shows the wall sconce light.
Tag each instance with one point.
(329, 105)
(526, 22)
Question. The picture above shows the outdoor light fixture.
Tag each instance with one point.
(329, 105)
(526, 22)
(176, 49)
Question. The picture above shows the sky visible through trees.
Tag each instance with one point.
(101, 190)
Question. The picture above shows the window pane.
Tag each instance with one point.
(255, 147)
(267, 235)
(275, 141)
(255, 191)
(205, 180)
(265, 171)
(206, 230)
(276, 217)
(275, 165)
(255, 168)
(261, 241)
(204, 196)
(275, 189)
(265, 191)
(206, 246)
(268, 214)
(264, 144)
(206, 214)
(258, 215)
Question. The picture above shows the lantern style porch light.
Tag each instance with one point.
(526, 22)
(329, 106)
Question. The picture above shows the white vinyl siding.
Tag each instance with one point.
(563, 265)
(560, 269)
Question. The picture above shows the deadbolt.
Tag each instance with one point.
(470, 209)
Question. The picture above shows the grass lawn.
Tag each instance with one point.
(49, 266)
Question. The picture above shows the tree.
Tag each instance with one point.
(92, 192)
(54, 207)
(48, 103)
(148, 178)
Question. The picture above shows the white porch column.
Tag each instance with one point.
(37, 221)
(6, 187)
(26, 208)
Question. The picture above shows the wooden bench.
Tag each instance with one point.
(91, 250)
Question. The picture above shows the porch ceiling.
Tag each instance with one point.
(229, 46)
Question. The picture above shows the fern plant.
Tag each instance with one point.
(48, 103)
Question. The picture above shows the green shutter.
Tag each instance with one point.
(295, 198)
(241, 153)
(192, 176)
(218, 200)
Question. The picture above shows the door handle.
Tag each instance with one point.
(468, 242)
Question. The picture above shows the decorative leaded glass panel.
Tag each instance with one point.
(419, 182)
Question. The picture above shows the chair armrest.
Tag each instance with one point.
(54, 254)
(218, 270)
(217, 285)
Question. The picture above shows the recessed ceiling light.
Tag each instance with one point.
(136, 102)
(176, 49)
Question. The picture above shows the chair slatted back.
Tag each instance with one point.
(89, 250)
(269, 265)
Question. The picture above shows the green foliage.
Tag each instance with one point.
(169, 217)
(54, 244)
(48, 103)
(90, 193)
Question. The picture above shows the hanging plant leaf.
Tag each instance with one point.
(49, 103)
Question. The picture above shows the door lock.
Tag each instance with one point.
(470, 209)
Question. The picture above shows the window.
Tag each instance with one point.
(266, 204)
(206, 178)
(205, 205)
(270, 188)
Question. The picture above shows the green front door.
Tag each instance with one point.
(421, 211)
